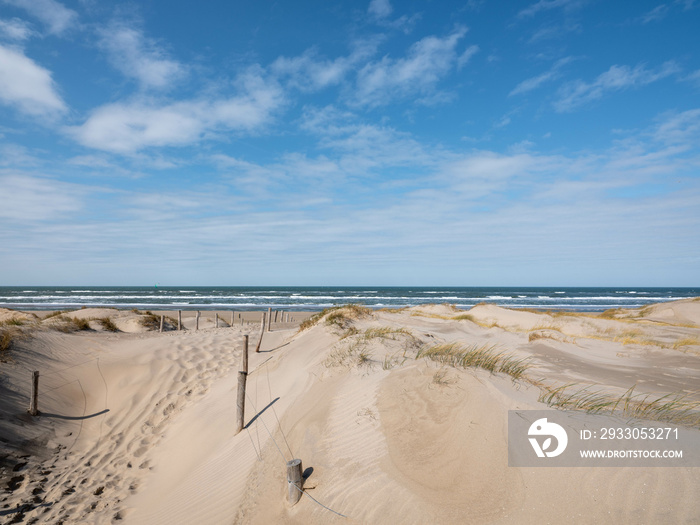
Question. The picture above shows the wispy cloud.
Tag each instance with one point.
(466, 56)
(127, 127)
(680, 128)
(547, 5)
(15, 29)
(379, 12)
(380, 8)
(535, 82)
(38, 198)
(27, 86)
(310, 72)
(427, 61)
(139, 57)
(55, 15)
(577, 93)
(658, 13)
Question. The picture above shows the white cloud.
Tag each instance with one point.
(130, 127)
(428, 60)
(680, 128)
(535, 82)
(658, 13)
(55, 15)
(465, 57)
(139, 57)
(31, 198)
(15, 29)
(546, 5)
(578, 92)
(27, 86)
(309, 72)
(380, 8)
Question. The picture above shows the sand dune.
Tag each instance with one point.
(139, 426)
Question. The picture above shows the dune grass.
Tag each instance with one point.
(338, 316)
(70, 324)
(671, 408)
(108, 324)
(149, 320)
(475, 356)
(349, 357)
(7, 338)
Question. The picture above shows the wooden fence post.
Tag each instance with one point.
(262, 331)
(217, 320)
(179, 319)
(197, 324)
(162, 319)
(233, 317)
(295, 480)
(269, 319)
(242, 375)
(34, 401)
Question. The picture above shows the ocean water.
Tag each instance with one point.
(317, 298)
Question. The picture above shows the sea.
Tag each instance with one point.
(317, 298)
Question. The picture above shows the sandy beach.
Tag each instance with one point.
(138, 426)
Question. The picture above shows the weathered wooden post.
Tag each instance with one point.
(34, 400)
(262, 331)
(295, 480)
(242, 375)
(162, 319)
(269, 319)
(276, 313)
(217, 320)
(179, 319)
(233, 317)
(197, 324)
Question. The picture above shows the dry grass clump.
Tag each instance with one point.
(58, 313)
(339, 316)
(687, 341)
(342, 317)
(611, 313)
(150, 320)
(349, 357)
(465, 317)
(485, 357)
(68, 325)
(108, 324)
(385, 332)
(7, 337)
(394, 310)
(672, 408)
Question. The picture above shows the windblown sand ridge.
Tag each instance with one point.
(139, 427)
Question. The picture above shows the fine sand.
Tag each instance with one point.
(138, 426)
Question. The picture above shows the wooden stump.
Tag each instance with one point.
(242, 377)
(34, 400)
(262, 331)
(240, 402)
(294, 480)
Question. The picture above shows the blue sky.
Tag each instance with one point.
(534, 143)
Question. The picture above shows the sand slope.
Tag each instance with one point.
(140, 427)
